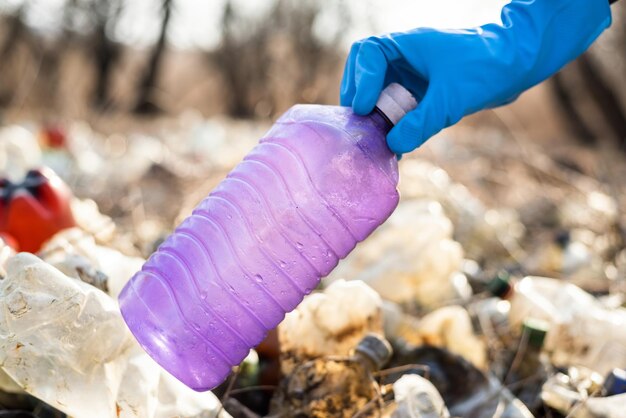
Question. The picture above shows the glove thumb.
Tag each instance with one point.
(420, 124)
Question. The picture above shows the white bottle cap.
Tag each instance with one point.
(395, 101)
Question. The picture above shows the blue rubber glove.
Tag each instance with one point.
(454, 73)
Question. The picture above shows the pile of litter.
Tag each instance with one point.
(452, 308)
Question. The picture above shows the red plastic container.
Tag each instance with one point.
(32, 211)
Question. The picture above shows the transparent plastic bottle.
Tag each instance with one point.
(594, 335)
(321, 180)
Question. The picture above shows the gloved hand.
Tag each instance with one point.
(454, 73)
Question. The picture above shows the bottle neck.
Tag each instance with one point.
(381, 119)
(394, 102)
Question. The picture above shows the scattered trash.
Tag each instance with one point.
(330, 323)
(565, 391)
(98, 370)
(33, 210)
(75, 253)
(582, 331)
(19, 152)
(464, 344)
(414, 249)
(528, 369)
(341, 386)
(466, 390)
(479, 229)
(416, 397)
(449, 327)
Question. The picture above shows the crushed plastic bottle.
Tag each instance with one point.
(76, 254)
(319, 182)
(66, 343)
(449, 327)
(414, 251)
(329, 323)
(416, 397)
(582, 331)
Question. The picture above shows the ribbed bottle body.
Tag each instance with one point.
(320, 181)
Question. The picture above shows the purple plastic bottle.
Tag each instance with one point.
(320, 181)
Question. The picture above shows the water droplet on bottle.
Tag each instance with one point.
(258, 278)
(203, 295)
(282, 264)
(307, 290)
(299, 245)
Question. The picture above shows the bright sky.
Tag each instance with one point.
(196, 22)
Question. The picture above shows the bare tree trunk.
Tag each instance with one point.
(106, 55)
(604, 97)
(106, 51)
(568, 108)
(12, 39)
(145, 102)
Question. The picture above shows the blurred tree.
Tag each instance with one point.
(591, 92)
(15, 29)
(269, 62)
(105, 14)
(146, 102)
(27, 59)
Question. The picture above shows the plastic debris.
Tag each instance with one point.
(76, 254)
(449, 327)
(416, 397)
(609, 407)
(89, 219)
(467, 391)
(582, 331)
(457, 351)
(565, 391)
(34, 209)
(479, 229)
(99, 371)
(19, 152)
(414, 249)
(331, 322)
